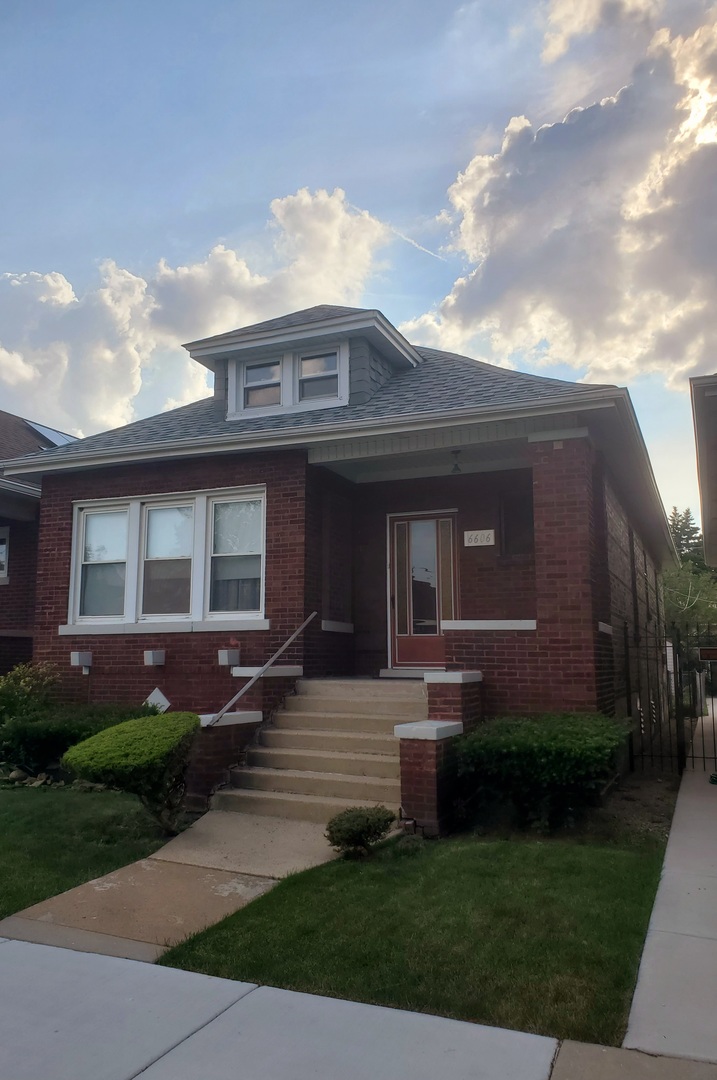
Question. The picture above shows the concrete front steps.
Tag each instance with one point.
(331, 746)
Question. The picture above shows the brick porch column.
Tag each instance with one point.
(564, 515)
(456, 696)
(426, 753)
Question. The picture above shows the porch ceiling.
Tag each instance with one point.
(439, 461)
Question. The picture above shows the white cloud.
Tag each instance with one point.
(591, 241)
(81, 362)
(570, 19)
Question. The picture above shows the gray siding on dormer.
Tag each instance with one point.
(368, 371)
(221, 379)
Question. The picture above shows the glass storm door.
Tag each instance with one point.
(422, 589)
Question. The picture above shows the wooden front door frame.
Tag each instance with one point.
(407, 515)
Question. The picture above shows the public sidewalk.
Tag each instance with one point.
(78, 1016)
(674, 1010)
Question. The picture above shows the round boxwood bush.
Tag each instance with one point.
(146, 757)
(354, 830)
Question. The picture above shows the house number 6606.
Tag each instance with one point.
(479, 538)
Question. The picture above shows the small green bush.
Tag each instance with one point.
(548, 765)
(36, 741)
(26, 689)
(146, 757)
(354, 830)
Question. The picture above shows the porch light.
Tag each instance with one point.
(456, 467)
(82, 660)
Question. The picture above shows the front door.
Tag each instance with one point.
(423, 588)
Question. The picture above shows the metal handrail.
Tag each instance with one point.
(261, 671)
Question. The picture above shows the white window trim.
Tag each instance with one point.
(199, 618)
(5, 535)
(290, 367)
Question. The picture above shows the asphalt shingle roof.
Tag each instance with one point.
(443, 383)
(297, 318)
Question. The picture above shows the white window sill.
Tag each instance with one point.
(235, 626)
(489, 624)
(4, 580)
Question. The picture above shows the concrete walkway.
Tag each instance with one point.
(674, 1010)
(220, 864)
(76, 1016)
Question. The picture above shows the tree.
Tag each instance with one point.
(690, 591)
(686, 534)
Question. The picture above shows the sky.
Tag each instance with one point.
(532, 184)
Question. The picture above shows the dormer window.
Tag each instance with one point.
(318, 376)
(262, 384)
(315, 378)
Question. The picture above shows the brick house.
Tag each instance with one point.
(473, 538)
(703, 391)
(19, 512)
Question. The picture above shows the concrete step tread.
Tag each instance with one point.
(335, 755)
(291, 774)
(346, 715)
(377, 737)
(369, 687)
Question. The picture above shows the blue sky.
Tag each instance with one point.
(174, 169)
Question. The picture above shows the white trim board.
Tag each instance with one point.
(233, 626)
(277, 671)
(489, 624)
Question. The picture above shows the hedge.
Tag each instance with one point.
(548, 765)
(36, 741)
(146, 756)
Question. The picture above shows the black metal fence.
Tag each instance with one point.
(670, 690)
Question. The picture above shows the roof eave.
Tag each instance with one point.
(210, 351)
(300, 438)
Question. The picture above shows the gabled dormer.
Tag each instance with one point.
(320, 358)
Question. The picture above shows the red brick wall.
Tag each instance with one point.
(17, 597)
(461, 702)
(191, 678)
(636, 613)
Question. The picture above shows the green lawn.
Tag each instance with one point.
(543, 936)
(52, 840)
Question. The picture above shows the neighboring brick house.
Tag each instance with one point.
(19, 511)
(704, 411)
(495, 534)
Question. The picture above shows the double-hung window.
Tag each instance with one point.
(197, 558)
(262, 384)
(318, 376)
(290, 382)
(168, 549)
(104, 563)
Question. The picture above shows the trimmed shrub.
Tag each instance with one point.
(146, 757)
(26, 689)
(36, 741)
(354, 830)
(547, 765)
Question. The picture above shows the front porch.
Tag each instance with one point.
(496, 565)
